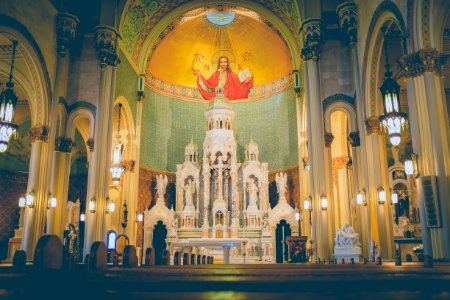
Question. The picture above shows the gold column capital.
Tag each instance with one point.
(424, 60)
(329, 137)
(106, 43)
(39, 133)
(63, 144)
(66, 27)
(373, 125)
(312, 39)
(348, 21)
(90, 143)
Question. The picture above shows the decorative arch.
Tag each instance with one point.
(387, 13)
(343, 105)
(82, 119)
(33, 77)
(161, 21)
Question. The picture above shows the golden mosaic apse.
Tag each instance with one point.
(197, 43)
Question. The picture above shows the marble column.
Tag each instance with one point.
(35, 216)
(348, 21)
(106, 43)
(379, 214)
(66, 26)
(430, 136)
(311, 31)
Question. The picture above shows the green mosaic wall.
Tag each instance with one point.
(168, 124)
(127, 84)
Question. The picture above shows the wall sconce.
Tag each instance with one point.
(52, 202)
(360, 198)
(82, 217)
(29, 200)
(139, 217)
(92, 205)
(110, 206)
(394, 198)
(307, 203)
(323, 202)
(297, 215)
(22, 202)
(411, 167)
(381, 195)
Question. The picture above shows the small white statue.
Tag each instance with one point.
(265, 224)
(174, 225)
(189, 191)
(161, 183)
(252, 190)
(347, 237)
(281, 179)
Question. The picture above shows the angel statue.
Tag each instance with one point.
(161, 184)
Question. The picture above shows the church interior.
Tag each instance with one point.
(217, 138)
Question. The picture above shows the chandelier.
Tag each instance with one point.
(8, 101)
(117, 167)
(393, 120)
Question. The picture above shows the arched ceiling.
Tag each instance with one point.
(140, 17)
(197, 43)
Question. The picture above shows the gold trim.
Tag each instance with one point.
(253, 99)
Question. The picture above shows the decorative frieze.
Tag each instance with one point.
(39, 133)
(329, 137)
(353, 138)
(63, 144)
(312, 41)
(106, 43)
(66, 27)
(373, 125)
(348, 21)
(90, 144)
(425, 60)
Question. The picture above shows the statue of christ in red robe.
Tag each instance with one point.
(224, 81)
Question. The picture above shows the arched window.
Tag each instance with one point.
(111, 238)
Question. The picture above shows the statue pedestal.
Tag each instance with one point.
(347, 254)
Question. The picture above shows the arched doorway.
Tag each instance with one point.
(283, 230)
(159, 241)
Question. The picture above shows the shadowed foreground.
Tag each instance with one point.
(306, 281)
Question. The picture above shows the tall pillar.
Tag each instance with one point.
(130, 194)
(380, 214)
(66, 26)
(348, 21)
(106, 43)
(311, 30)
(35, 216)
(430, 139)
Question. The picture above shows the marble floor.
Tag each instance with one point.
(282, 281)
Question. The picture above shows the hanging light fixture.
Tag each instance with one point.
(8, 101)
(393, 120)
(117, 167)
